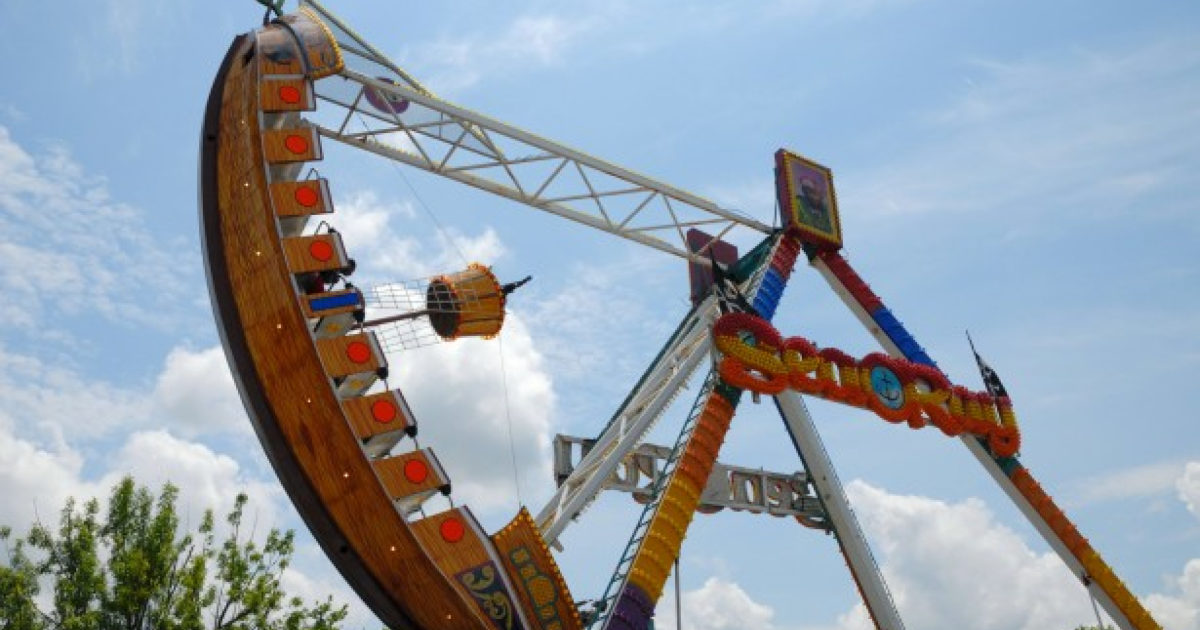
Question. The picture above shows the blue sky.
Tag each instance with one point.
(1022, 169)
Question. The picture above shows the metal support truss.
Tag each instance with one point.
(688, 346)
(379, 108)
(750, 489)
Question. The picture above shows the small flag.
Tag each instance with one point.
(990, 379)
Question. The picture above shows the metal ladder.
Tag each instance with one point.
(617, 582)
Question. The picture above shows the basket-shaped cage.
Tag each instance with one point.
(469, 303)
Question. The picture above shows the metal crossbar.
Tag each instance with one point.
(378, 107)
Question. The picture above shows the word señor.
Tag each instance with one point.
(758, 359)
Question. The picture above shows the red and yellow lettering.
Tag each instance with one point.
(897, 390)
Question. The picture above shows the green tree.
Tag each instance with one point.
(133, 571)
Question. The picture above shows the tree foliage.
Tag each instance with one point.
(132, 570)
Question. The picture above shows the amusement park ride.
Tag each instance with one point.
(307, 349)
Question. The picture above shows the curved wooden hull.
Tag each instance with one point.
(286, 391)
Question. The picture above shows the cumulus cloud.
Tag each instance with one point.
(717, 605)
(54, 422)
(364, 221)
(37, 481)
(951, 565)
(57, 440)
(195, 394)
(1180, 612)
(462, 392)
(937, 555)
(206, 479)
(457, 391)
(1189, 487)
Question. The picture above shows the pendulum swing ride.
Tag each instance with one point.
(311, 366)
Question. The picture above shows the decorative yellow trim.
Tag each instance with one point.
(922, 395)
(339, 63)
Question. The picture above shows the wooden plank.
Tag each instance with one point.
(380, 420)
(351, 354)
(289, 397)
(287, 95)
(301, 198)
(295, 144)
(410, 479)
(456, 542)
(319, 252)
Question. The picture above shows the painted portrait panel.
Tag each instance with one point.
(807, 199)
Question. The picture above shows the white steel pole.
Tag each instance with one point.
(837, 509)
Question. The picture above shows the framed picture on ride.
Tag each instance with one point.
(807, 200)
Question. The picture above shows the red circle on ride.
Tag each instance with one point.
(383, 411)
(415, 471)
(296, 144)
(358, 352)
(452, 530)
(321, 250)
(307, 196)
(289, 94)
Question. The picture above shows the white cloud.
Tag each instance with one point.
(1189, 487)
(310, 584)
(69, 251)
(57, 405)
(717, 605)
(206, 479)
(195, 394)
(950, 566)
(953, 566)
(37, 481)
(1146, 480)
(364, 221)
(1180, 612)
(458, 63)
(542, 38)
(57, 441)
(457, 391)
